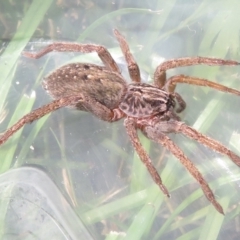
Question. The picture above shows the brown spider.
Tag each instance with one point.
(151, 108)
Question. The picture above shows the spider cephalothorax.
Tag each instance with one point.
(153, 109)
(143, 100)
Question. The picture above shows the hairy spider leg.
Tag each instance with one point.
(132, 133)
(159, 137)
(96, 108)
(38, 113)
(156, 131)
(102, 52)
(133, 68)
(160, 72)
(205, 140)
(172, 81)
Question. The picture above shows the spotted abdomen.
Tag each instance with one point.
(102, 85)
(144, 100)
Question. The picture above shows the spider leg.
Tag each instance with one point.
(159, 137)
(89, 104)
(38, 113)
(171, 84)
(160, 72)
(102, 52)
(180, 127)
(132, 132)
(100, 110)
(133, 68)
(207, 141)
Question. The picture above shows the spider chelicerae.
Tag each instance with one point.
(153, 109)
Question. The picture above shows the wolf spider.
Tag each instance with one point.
(153, 109)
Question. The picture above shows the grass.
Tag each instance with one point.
(11, 55)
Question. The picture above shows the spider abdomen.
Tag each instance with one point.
(92, 80)
(144, 100)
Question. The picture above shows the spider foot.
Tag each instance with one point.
(164, 189)
(29, 55)
(209, 194)
(218, 207)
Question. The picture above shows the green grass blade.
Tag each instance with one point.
(30, 22)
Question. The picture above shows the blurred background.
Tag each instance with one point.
(92, 162)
